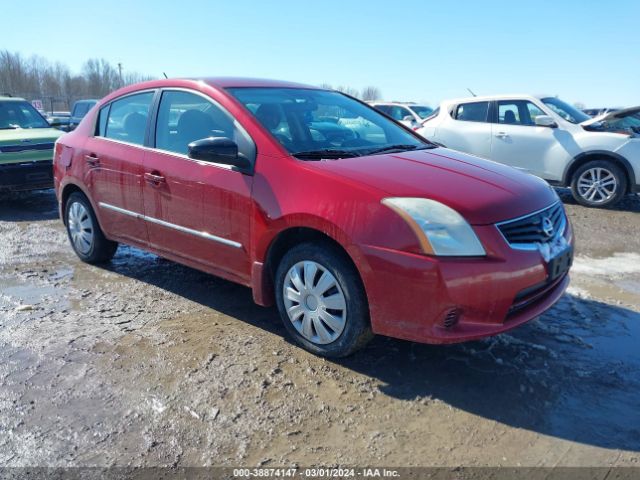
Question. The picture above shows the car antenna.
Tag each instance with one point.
(471, 92)
(165, 75)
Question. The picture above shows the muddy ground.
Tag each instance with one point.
(145, 362)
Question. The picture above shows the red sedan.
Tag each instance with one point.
(351, 223)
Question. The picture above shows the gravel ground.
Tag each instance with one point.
(148, 363)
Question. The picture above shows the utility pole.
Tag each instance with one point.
(120, 73)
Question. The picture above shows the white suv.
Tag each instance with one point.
(409, 114)
(597, 157)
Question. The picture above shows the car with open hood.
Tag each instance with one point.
(26, 146)
(374, 231)
(547, 137)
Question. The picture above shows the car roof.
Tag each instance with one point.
(400, 104)
(229, 82)
(488, 98)
(9, 99)
(215, 82)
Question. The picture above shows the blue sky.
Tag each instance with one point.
(583, 51)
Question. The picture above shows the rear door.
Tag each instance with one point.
(467, 129)
(517, 141)
(114, 165)
(195, 209)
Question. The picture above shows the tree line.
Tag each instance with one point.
(36, 78)
(55, 85)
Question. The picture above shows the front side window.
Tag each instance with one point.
(566, 111)
(313, 124)
(517, 112)
(184, 117)
(422, 111)
(127, 119)
(472, 112)
(20, 114)
(398, 113)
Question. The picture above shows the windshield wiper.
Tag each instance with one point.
(10, 127)
(399, 147)
(326, 153)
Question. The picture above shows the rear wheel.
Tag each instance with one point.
(599, 183)
(322, 301)
(84, 233)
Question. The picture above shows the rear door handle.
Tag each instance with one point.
(154, 178)
(92, 160)
(502, 134)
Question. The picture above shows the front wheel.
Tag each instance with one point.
(599, 183)
(322, 301)
(84, 233)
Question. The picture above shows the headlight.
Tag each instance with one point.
(440, 229)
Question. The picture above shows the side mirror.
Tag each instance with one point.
(218, 150)
(545, 121)
(409, 119)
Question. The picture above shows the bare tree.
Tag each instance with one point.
(54, 84)
(348, 90)
(371, 93)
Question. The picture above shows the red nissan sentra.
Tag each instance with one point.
(351, 223)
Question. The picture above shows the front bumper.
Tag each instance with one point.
(26, 176)
(413, 296)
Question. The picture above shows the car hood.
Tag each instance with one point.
(482, 191)
(26, 136)
(626, 112)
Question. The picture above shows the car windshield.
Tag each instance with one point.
(566, 111)
(20, 114)
(422, 111)
(314, 124)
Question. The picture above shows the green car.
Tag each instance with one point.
(26, 146)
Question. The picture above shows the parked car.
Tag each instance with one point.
(409, 114)
(26, 146)
(543, 136)
(377, 232)
(59, 120)
(626, 121)
(595, 112)
(79, 110)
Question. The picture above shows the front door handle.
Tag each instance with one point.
(92, 160)
(502, 134)
(154, 178)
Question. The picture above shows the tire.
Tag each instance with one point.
(84, 232)
(588, 192)
(318, 322)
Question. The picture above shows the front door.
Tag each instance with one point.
(516, 139)
(194, 209)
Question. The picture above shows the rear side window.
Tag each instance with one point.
(127, 118)
(472, 112)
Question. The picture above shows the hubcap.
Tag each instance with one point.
(315, 303)
(80, 228)
(597, 185)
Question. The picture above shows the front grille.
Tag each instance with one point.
(25, 147)
(539, 227)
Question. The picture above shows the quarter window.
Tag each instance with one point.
(472, 112)
(127, 118)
